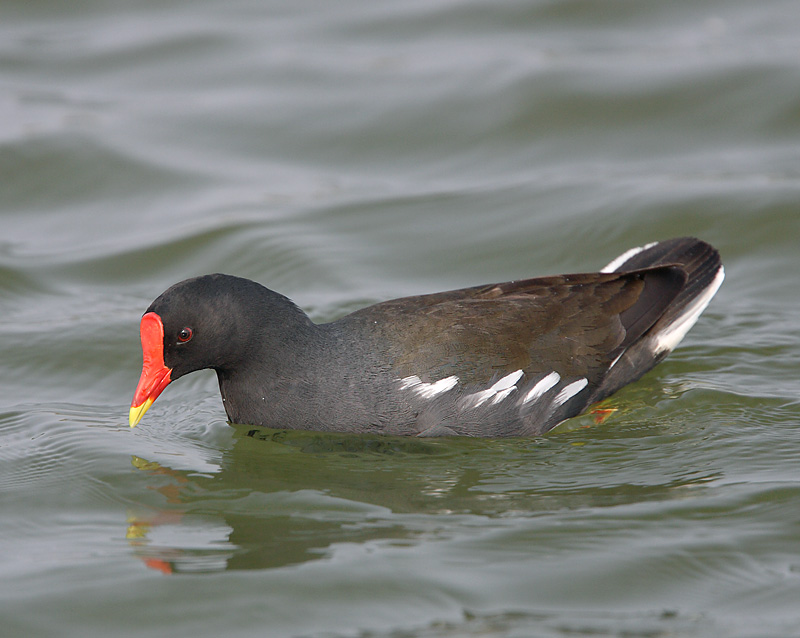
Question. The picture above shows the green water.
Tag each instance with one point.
(346, 153)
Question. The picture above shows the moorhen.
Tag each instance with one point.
(507, 359)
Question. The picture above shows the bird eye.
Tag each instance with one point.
(184, 335)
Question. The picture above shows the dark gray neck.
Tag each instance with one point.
(312, 381)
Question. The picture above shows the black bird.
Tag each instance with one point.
(508, 359)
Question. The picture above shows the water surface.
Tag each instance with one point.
(346, 153)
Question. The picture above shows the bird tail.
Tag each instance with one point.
(702, 265)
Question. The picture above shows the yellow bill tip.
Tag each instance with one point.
(137, 412)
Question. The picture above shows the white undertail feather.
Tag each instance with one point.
(614, 264)
(672, 335)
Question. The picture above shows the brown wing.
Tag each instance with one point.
(576, 323)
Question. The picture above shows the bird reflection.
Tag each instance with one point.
(283, 498)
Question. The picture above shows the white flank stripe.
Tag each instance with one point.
(428, 390)
(507, 381)
(569, 391)
(614, 265)
(503, 394)
(409, 382)
(476, 398)
(541, 387)
(499, 390)
(676, 331)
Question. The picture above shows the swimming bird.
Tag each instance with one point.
(497, 360)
